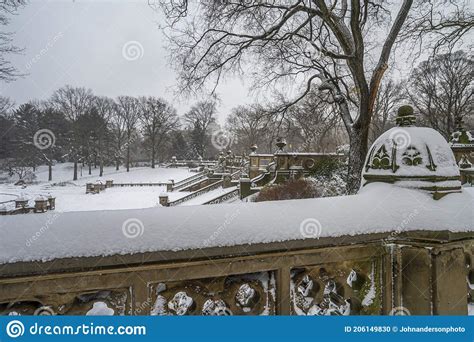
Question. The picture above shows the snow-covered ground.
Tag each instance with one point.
(70, 195)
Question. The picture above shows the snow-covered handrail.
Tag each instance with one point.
(199, 192)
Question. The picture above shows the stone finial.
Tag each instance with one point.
(405, 116)
(253, 148)
(163, 199)
(281, 143)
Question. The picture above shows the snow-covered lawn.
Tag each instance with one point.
(70, 195)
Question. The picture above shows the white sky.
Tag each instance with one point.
(80, 43)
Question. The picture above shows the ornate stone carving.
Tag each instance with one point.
(248, 294)
(412, 156)
(110, 302)
(381, 159)
(336, 289)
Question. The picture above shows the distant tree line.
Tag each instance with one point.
(74, 125)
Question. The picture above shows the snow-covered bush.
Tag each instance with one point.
(292, 189)
(329, 177)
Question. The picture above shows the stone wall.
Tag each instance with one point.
(420, 273)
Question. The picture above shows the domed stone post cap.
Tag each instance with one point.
(405, 116)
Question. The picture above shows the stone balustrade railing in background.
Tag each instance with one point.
(418, 273)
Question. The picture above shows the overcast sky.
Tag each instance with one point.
(113, 47)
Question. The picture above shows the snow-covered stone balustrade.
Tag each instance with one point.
(403, 245)
(370, 253)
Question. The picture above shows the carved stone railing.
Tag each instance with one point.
(185, 182)
(225, 197)
(197, 193)
(120, 185)
(418, 273)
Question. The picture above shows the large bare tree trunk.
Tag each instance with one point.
(75, 170)
(128, 157)
(50, 172)
(357, 153)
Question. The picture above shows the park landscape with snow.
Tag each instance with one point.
(340, 184)
(71, 195)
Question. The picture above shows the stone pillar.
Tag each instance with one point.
(51, 202)
(41, 204)
(416, 280)
(89, 188)
(245, 185)
(227, 180)
(450, 289)
(164, 200)
(21, 202)
(170, 185)
(109, 183)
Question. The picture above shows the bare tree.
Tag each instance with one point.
(7, 9)
(442, 90)
(199, 119)
(73, 103)
(129, 109)
(118, 127)
(106, 108)
(315, 117)
(158, 119)
(248, 125)
(342, 47)
(390, 95)
(6, 105)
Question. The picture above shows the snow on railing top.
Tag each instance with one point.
(378, 208)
